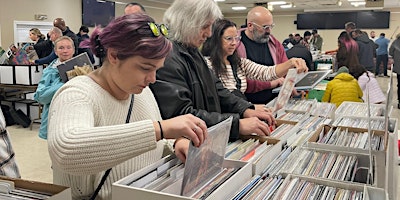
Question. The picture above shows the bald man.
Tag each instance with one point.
(60, 23)
(260, 46)
(132, 8)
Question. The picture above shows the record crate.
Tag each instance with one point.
(357, 109)
(261, 162)
(122, 189)
(369, 192)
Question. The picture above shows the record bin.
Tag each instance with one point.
(369, 192)
(262, 162)
(57, 192)
(357, 109)
(379, 155)
(122, 190)
(21, 74)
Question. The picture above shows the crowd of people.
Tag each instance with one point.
(162, 85)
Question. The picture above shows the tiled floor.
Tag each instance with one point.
(33, 158)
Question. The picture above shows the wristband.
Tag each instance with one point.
(161, 131)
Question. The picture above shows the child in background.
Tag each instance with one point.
(366, 79)
(344, 87)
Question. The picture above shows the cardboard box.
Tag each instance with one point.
(369, 192)
(58, 192)
(121, 190)
(7, 74)
(343, 110)
(363, 163)
(259, 165)
(28, 74)
(379, 156)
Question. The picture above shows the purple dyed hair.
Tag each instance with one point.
(131, 36)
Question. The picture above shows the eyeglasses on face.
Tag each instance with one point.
(231, 39)
(158, 29)
(265, 27)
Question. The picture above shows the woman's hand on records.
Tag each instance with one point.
(187, 126)
(249, 126)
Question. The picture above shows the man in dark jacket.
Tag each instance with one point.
(366, 49)
(60, 23)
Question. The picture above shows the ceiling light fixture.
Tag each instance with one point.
(270, 7)
(290, 5)
(356, 4)
(339, 3)
(277, 3)
(219, 0)
(238, 8)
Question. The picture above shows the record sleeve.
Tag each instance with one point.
(80, 60)
(308, 80)
(205, 162)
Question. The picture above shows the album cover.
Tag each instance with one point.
(80, 60)
(205, 162)
(308, 80)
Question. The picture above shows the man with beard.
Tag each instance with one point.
(261, 47)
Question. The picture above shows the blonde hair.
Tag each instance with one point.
(63, 38)
(37, 32)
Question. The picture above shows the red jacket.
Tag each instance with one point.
(278, 55)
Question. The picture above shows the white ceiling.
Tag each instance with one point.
(304, 5)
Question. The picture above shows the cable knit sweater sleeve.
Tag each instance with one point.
(87, 130)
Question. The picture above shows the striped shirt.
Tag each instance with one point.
(247, 69)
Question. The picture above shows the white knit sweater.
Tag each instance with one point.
(87, 135)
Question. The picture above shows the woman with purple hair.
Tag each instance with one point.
(347, 54)
(110, 119)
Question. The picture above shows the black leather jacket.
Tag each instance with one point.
(186, 85)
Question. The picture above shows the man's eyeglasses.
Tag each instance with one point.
(231, 39)
(158, 29)
(265, 27)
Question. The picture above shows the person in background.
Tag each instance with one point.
(349, 27)
(288, 40)
(109, 118)
(260, 46)
(83, 33)
(84, 41)
(382, 54)
(222, 57)
(316, 40)
(42, 47)
(347, 54)
(301, 51)
(344, 87)
(366, 49)
(186, 84)
(306, 39)
(372, 36)
(51, 80)
(54, 34)
(368, 84)
(60, 23)
(133, 8)
(394, 51)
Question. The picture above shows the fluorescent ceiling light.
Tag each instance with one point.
(276, 3)
(238, 8)
(354, 0)
(286, 6)
(219, 0)
(356, 4)
(118, 2)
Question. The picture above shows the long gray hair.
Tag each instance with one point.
(185, 18)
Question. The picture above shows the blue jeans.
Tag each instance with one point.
(381, 58)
